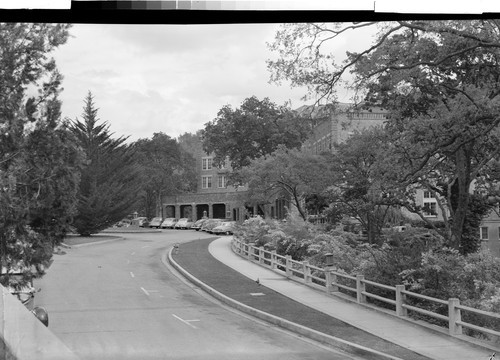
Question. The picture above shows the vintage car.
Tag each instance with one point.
(169, 223)
(226, 227)
(210, 224)
(155, 222)
(198, 224)
(183, 223)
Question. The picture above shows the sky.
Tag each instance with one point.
(170, 78)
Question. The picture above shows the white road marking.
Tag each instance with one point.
(145, 291)
(187, 322)
(133, 253)
(146, 246)
(257, 294)
(132, 274)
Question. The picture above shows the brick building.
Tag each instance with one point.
(332, 125)
(214, 198)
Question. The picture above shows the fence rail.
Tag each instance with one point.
(332, 281)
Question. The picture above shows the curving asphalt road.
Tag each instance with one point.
(117, 300)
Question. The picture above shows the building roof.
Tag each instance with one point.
(317, 111)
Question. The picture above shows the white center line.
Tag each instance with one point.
(187, 322)
(132, 274)
(145, 291)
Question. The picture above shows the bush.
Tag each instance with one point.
(416, 258)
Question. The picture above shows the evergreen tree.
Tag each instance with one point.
(39, 164)
(110, 178)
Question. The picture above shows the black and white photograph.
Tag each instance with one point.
(299, 185)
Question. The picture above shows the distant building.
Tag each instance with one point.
(489, 232)
(333, 124)
(214, 198)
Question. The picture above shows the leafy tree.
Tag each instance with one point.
(360, 188)
(191, 143)
(439, 81)
(39, 163)
(289, 172)
(253, 130)
(166, 169)
(110, 183)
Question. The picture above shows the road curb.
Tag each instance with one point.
(348, 347)
(115, 238)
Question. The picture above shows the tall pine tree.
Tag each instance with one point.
(110, 180)
(39, 164)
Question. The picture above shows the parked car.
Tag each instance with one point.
(169, 223)
(139, 221)
(123, 223)
(197, 225)
(210, 224)
(144, 223)
(183, 223)
(155, 222)
(226, 227)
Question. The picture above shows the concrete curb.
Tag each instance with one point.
(348, 347)
(115, 238)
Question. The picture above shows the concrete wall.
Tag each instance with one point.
(24, 337)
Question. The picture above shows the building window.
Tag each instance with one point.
(430, 209)
(206, 164)
(206, 182)
(428, 195)
(483, 233)
(221, 183)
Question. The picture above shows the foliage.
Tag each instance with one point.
(39, 163)
(165, 169)
(110, 179)
(445, 273)
(191, 143)
(293, 174)
(438, 79)
(253, 130)
(416, 258)
(360, 188)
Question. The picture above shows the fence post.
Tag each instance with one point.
(335, 280)
(273, 259)
(454, 316)
(328, 279)
(250, 251)
(261, 255)
(400, 300)
(288, 266)
(360, 288)
(307, 271)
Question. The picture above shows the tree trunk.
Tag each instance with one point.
(298, 205)
(460, 196)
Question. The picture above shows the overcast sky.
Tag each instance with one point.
(170, 78)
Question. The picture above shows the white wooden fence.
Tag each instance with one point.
(331, 281)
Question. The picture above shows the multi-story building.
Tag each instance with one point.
(213, 199)
(332, 125)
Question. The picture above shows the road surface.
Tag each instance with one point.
(117, 300)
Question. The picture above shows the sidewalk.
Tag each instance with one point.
(214, 263)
